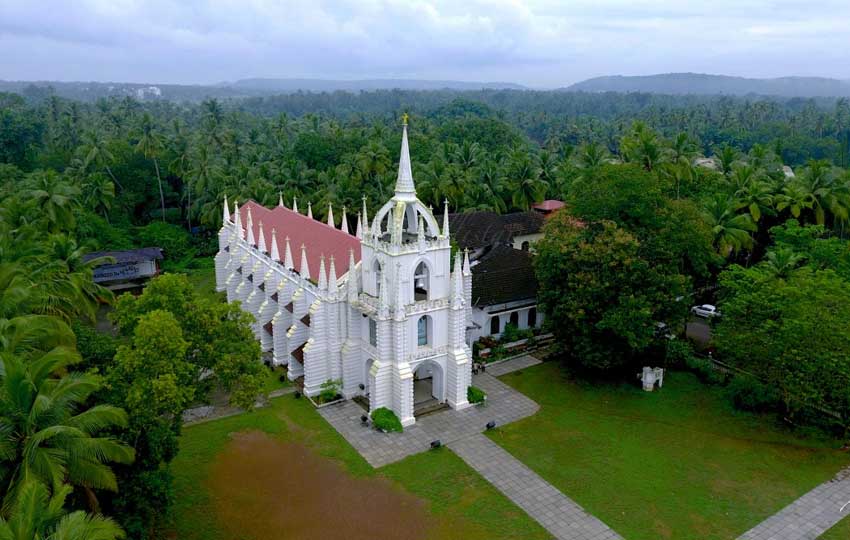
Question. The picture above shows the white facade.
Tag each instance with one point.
(398, 314)
(491, 320)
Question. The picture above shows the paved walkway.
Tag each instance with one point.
(809, 516)
(503, 405)
(514, 364)
(543, 502)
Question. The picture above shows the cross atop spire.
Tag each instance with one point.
(404, 188)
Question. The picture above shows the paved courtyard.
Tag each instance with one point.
(555, 511)
(809, 516)
(504, 405)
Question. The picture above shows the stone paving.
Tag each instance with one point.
(514, 364)
(543, 502)
(809, 516)
(205, 413)
(503, 405)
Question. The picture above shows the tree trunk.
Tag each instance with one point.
(159, 181)
(117, 183)
(189, 206)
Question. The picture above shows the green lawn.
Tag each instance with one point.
(460, 504)
(677, 463)
(203, 279)
(841, 531)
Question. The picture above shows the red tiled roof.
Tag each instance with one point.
(549, 205)
(319, 238)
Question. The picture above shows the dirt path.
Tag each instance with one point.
(264, 488)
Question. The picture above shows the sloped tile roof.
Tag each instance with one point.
(503, 275)
(319, 237)
(475, 230)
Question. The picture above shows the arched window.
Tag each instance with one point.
(422, 331)
(376, 268)
(421, 282)
(515, 319)
(373, 332)
(525, 245)
(494, 325)
(532, 317)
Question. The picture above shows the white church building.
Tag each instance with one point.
(379, 310)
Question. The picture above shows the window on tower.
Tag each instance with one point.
(422, 331)
(373, 332)
(421, 282)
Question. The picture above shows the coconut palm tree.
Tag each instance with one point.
(48, 434)
(731, 230)
(38, 515)
(95, 150)
(55, 198)
(150, 145)
(781, 262)
(98, 193)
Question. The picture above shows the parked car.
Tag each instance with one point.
(707, 311)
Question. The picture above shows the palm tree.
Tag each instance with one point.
(47, 432)
(98, 193)
(731, 230)
(95, 150)
(592, 155)
(683, 148)
(781, 262)
(149, 145)
(37, 514)
(56, 199)
(726, 156)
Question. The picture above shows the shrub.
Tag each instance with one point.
(97, 349)
(173, 240)
(330, 390)
(750, 394)
(475, 394)
(705, 371)
(386, 420)
(677, 354)
(510, 333)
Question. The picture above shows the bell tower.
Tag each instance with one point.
(414, 302)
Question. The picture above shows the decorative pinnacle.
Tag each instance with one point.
(404, 118)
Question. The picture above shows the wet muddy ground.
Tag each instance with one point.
(265, 489)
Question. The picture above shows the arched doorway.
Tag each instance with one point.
(367, 367)
(428, 390)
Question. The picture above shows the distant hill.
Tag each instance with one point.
(326, 85)
(699, 83)
(91, 91)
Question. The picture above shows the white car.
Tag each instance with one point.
(706, 310)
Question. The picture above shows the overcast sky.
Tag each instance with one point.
(537, 43)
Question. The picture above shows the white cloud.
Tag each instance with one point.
(543, 43)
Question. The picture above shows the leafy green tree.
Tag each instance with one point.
(790, 330)
(602, 299)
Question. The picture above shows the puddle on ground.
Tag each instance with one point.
(266, 489)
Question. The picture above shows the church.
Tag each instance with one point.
(376, 311)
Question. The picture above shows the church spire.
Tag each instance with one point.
(344, 225)
(294, 204)
(365, 218)
(305, 267)
(280, 198)
(404, 188)
(457, 281)
(446, 219)
(250, 229)
(352, 278)
(261, 242)
(333, 287)
(237, 220)
(331, 215)
(275, 253)
(359, 231)
(323, 276)
(309, 209)
(226, 216)
(466, 271)
(287, 254)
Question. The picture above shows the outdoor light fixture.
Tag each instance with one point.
(491, 424)
(436, 444)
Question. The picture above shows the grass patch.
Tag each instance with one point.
(839, 531)
(676, 463)
(272, 381)
(460, 503)
(203, 280)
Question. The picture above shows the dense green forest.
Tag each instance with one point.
(90, 420)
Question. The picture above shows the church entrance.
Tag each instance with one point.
(428, 392)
